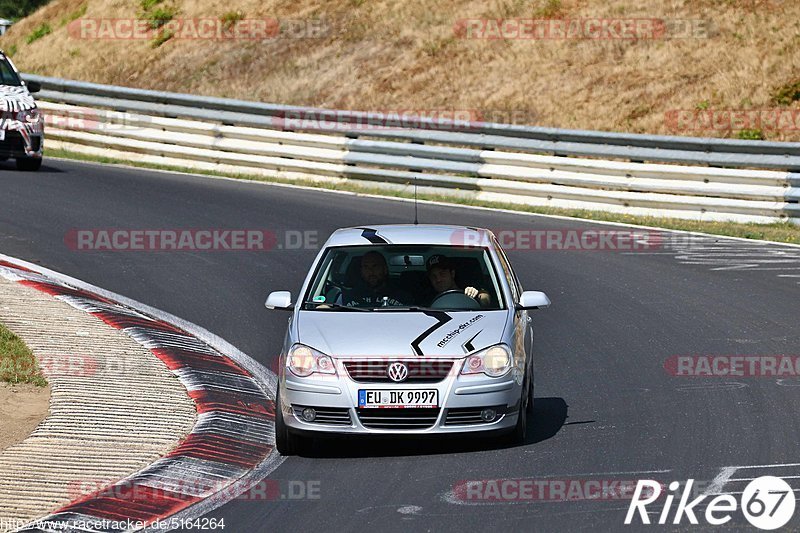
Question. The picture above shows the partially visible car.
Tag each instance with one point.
(21, 122)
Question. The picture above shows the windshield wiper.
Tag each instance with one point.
(403, 308)
(337, 307)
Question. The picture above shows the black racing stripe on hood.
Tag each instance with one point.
(372, 236)
(442, 319)
(468, 347)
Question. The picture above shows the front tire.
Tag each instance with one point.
(520, 432)
(287, 442)
(29, 163)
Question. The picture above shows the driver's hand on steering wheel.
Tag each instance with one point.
(481, 296)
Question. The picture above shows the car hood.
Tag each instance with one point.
(13, 99)
(443, 334)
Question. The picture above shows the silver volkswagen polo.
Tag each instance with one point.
(406, 330)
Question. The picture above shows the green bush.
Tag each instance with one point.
(17, 363)
(161, 15)
(149, 4)
(787, 94)
(42, 30)
(162, 37)
(75, 15)
(550, 9)
(17, 9)
(751, 135)
(230, 18)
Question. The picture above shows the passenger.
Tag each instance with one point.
(376, 290)
(442, 275)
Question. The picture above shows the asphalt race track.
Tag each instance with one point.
(606, 408)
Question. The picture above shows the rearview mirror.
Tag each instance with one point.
(33, 86)
(279, 300)
(533, 300)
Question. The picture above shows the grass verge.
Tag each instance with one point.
(17, 363)
(40, 31)
(781, 232)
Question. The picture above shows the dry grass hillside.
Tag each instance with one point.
(412, 55)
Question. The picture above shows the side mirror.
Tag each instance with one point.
(279, 300)
(33, 86)
(533, 300)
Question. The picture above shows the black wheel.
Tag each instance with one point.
(28, 163)
(531, 395)
(287, 442)
(520, 431)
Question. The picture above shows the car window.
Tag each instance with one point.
(402, 277)
(7, 74)
(516, 289)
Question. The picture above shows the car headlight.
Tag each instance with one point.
(493, 361)
(304, 361)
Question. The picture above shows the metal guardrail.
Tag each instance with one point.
(714, 178)
(689, 150)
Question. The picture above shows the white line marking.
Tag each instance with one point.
(712, 386)
(738, 492)
(718, 482)
(769, 466)
(753, 478)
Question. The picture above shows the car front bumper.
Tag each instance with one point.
(461, 398)
(21, 143)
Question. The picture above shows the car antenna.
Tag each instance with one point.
(416, 220)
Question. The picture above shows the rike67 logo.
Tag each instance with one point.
(767, 502)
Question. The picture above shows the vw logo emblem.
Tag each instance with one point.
(397, 372)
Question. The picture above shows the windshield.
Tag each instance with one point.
(404, 277)
(7, 74)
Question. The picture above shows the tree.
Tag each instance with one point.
(17, 9)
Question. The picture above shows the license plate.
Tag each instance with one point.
(372, 398)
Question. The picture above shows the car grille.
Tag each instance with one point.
(374, 371)
(337, 416)
(408, 418)
(13, 142)
(466, 416)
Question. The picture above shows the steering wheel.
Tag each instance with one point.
(454, 299)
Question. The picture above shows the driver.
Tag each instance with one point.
(375, 289)
(442, 275)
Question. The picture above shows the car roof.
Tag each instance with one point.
(441, 235)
